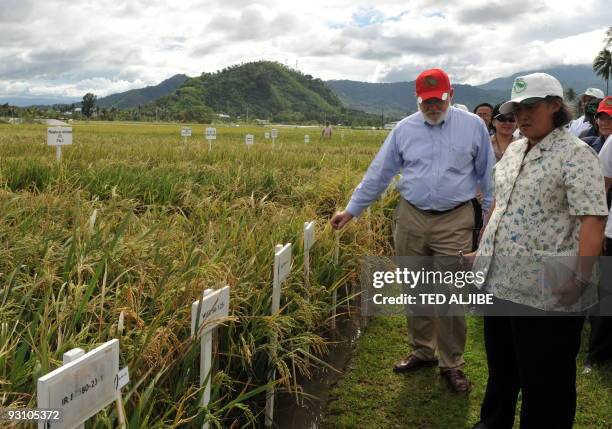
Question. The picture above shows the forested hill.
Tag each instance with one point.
(268, 90)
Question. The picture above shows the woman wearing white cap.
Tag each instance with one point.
(549, 201)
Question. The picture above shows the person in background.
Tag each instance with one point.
(601, 124)
(589, 115)
(549, 200)
(442, 153)
(327, 131)
(485, 111)
(600, 317)
(503, 132)
(503, 127)
(577, 126)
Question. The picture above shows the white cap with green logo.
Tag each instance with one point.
(532, 86)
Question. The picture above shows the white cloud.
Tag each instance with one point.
(63, 48)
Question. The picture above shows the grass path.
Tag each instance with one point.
(370, 395)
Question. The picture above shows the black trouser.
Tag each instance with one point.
(600, 340)
(536, 355)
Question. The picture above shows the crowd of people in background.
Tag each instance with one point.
(518, 179)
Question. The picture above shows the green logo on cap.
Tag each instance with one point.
(609, 102)
(431, 82)
(519, 85)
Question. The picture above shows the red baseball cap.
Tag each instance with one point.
(432, 83)
(605, 106)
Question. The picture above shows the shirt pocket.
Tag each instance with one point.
(461, 159)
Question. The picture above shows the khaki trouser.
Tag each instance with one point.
(417, 233)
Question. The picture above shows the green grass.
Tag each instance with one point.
(370, 395)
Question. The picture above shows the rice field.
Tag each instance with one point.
(135, 221)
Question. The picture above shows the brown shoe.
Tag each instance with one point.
(456, 380)
(412, 363)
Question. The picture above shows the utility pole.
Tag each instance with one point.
(247, 118)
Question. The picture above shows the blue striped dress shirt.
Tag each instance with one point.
(440, 165)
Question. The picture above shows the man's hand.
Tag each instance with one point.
(340, 219)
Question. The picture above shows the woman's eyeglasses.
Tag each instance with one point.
(505, 118)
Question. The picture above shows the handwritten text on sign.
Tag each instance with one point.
(211, 133)
(274, 133)
(59, 136)
(185, 132)
(212, 309)
(249, 139)
(82, 387)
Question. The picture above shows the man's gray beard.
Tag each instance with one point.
(437, 121)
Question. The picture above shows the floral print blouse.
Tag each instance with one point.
(534, 229)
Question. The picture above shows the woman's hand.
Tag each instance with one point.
(569, 293)
(467, 259)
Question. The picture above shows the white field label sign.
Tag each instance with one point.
(59, 136)
(82, 387)
(249, 139)
(211, 133)
(267, 136)
(282, 262)
(274, 133)
(306, 138)
(309, 237)
(214, 307)
(185, 132)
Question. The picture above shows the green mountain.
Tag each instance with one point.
(264, 90)
(397, 99)
(578, 77)
(142, 96)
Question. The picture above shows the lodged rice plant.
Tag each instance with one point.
(133, 221)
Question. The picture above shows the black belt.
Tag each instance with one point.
(439, 212)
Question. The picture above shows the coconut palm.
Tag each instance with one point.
(602, 65)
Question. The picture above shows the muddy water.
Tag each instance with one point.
(309, 415)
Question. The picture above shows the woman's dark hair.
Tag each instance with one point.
(563, 115)
(494, 114)
(482, 104)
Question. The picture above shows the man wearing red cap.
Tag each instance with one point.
(443, 153)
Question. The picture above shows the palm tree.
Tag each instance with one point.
(602, 65)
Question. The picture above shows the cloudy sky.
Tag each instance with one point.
(65, 48)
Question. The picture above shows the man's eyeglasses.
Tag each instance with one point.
(505, 118)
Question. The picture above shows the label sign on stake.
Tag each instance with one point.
(306, 138)
(267, 136)
(249, 139)
(274, 135)
(81, 387)
(309, 240)
(211, 134)
(186, 132)
(282, 268)
(206, 314)
(58, 137)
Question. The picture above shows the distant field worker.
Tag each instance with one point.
(327, 131)
(549, 202)
(442, 153)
